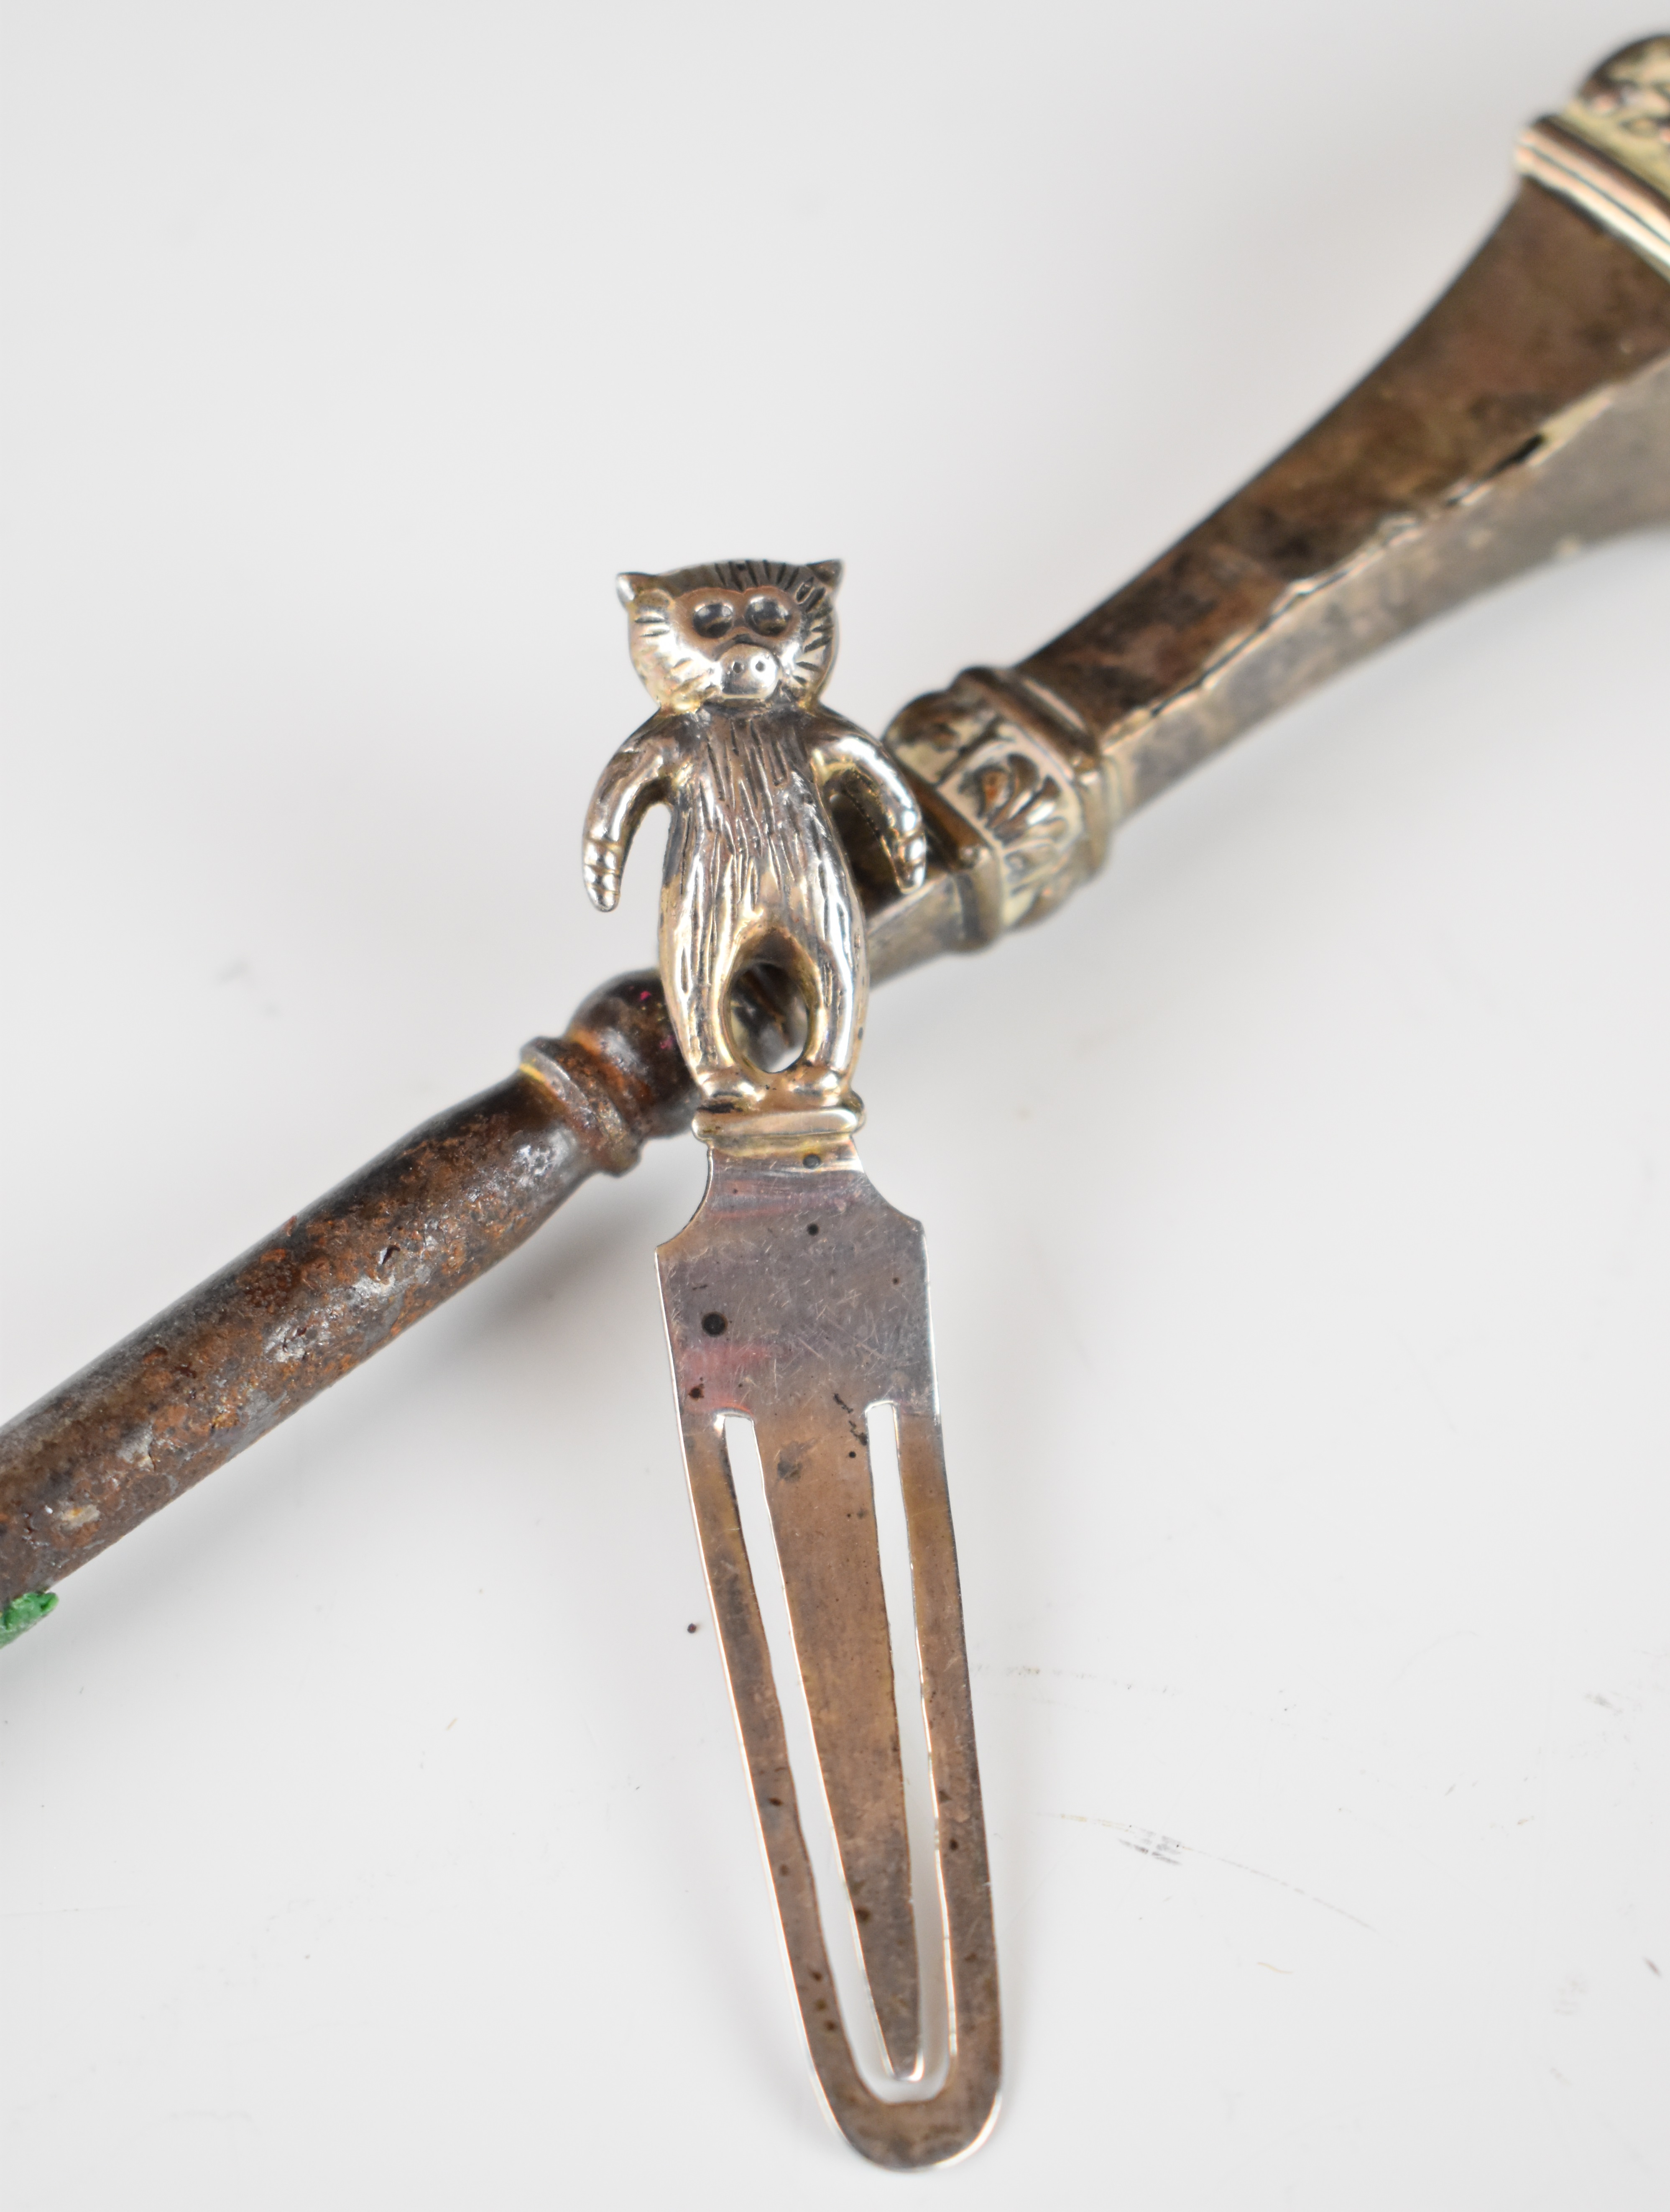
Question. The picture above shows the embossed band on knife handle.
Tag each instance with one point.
(1527, 414)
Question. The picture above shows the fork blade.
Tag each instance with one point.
(799, 1298)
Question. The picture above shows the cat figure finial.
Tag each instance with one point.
(740, 750)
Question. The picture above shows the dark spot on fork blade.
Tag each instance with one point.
(714, 1324)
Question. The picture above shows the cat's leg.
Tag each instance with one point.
(823, 931)
(702, 951)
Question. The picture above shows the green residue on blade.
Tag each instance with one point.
(23, 1613)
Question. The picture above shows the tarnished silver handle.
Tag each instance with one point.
(1526, 416)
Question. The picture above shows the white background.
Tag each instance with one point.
(373, 1831)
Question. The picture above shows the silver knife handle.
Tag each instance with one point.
(1525, 416)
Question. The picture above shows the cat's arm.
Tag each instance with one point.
(841, 752)
(647, 769)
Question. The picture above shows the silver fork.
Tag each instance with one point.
(798, 1296)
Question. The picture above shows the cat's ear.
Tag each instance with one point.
(828, 573)
(630, 584)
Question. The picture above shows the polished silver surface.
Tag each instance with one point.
(735, 655)
(1017, 790)
(1623, 109)
(1607, 151)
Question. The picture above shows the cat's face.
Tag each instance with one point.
(734, 631)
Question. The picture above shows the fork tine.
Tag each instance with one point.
(819, 1489)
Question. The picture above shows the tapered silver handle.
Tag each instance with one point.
(1525, 416)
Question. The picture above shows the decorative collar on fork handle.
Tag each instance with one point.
(764, 1132)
